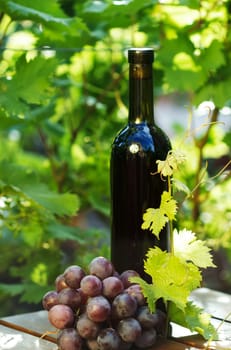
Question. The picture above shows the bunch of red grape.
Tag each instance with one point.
(101, 310)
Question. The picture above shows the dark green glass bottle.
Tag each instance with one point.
(134, 188)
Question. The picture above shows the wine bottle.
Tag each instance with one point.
(135, 185)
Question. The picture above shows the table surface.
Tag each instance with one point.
(22, 332)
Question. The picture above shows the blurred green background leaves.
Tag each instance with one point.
(63, 97)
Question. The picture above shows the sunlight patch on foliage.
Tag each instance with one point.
(39, 274)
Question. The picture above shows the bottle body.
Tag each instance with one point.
(134, 188)
(135, 185)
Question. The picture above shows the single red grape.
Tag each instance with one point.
(101, 267)
(73, 275)
(61, 316)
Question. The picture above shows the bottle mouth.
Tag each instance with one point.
(142, 55)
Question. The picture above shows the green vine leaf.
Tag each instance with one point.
(194, 318)
(29, 85)
(155, 219)
(56, 203)
(148, 291)
(188, 248)
(168, 205)
(170, 164)
(48, 14)
(16, 180)
(166, 283)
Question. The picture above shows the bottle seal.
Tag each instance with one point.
(144, 55)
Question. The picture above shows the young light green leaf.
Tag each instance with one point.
(155, 219)
(148, 290)
(194, 276)
(188, 248)
(167, 284)
(168, 205)
(170, 164)
(164, 168)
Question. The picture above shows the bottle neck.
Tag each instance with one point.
(140, 93)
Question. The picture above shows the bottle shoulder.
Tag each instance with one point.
(147, 135)
(134, 129)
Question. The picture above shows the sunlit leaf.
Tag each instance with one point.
(162, 267)
(148, 291)
(188, 247)
(155, 219)
(171, 163)
(168, 205)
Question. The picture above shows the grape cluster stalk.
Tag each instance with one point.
(101, 310)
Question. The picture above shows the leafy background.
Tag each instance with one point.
(63, 97)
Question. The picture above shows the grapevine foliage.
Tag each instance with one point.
(63, 89)
(175, 274)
